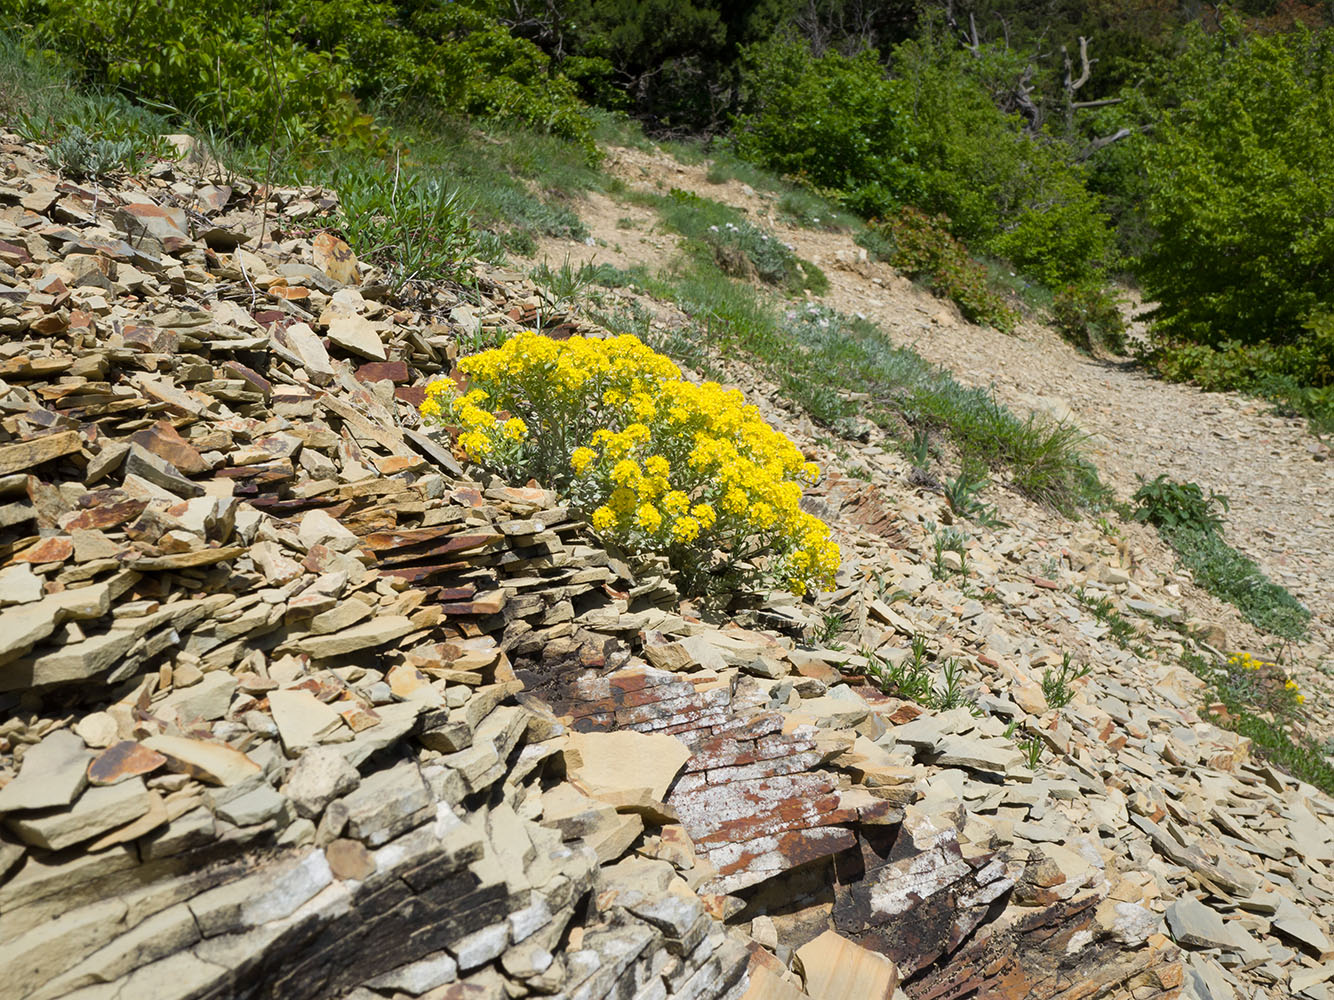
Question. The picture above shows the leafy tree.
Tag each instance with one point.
(930, 135)
(1240, 181)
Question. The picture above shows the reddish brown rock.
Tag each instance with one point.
(123, 760)
(163, 440)
(48, 550)
(378, 371)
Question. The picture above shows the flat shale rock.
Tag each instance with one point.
(54, 772)
(836, 968)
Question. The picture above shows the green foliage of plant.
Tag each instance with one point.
(830, 628)
(803, 207)
(1056, 685)
(89, 133)
(413, 225)
(910, 678)
(1192, 523)
(929, 136)
(740, 248)
(962, 494)
(562, 287)
(518, 184)
(925, 251)
(1043, 460)
(1120, 628)
(80, 156)
(948, 539)
(1033, 748)
(1089, 315)
(1235, 578)
(307, 71)
(1172, 505)
(833, 120)
(1240, 182)
(1298, 377)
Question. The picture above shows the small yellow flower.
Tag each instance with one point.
(604, 519)
(475, 443)
(515, 429)
(1291, 685)
(648, 518)
(581, 459)
(685, 530)
(1301, 699)
(625, 473)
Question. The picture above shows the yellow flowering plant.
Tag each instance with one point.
(1262, 683)
(658, 463)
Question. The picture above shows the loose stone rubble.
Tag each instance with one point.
(294, 707)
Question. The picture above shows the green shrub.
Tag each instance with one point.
(924, 250)
(1231, 576)
(1241, 190)
(412, 225)
(1090, 314)
(1167, 504)
(1192, 524)
(929, 136)
(300, 70)
(79, 155)
(1298, 377)
(832, 120)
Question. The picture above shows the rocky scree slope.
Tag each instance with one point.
(295, 706)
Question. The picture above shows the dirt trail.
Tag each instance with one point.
(1282, 512)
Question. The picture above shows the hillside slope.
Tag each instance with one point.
(298, 706)
(1279, 479)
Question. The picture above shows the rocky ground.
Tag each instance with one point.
(295, 706)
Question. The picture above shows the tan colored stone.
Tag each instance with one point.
(838, 969)
(626, 760)
(215, 763)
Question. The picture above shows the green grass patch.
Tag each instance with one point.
(801, 207)
(517, 185)
(1122, 630)
(719, 235)
(89, 133)
(1192, 523)
(1227, 574)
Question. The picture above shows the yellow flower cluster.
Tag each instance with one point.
(1245, 661)
(482, 432)
(1248, 662)
(661, 463)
